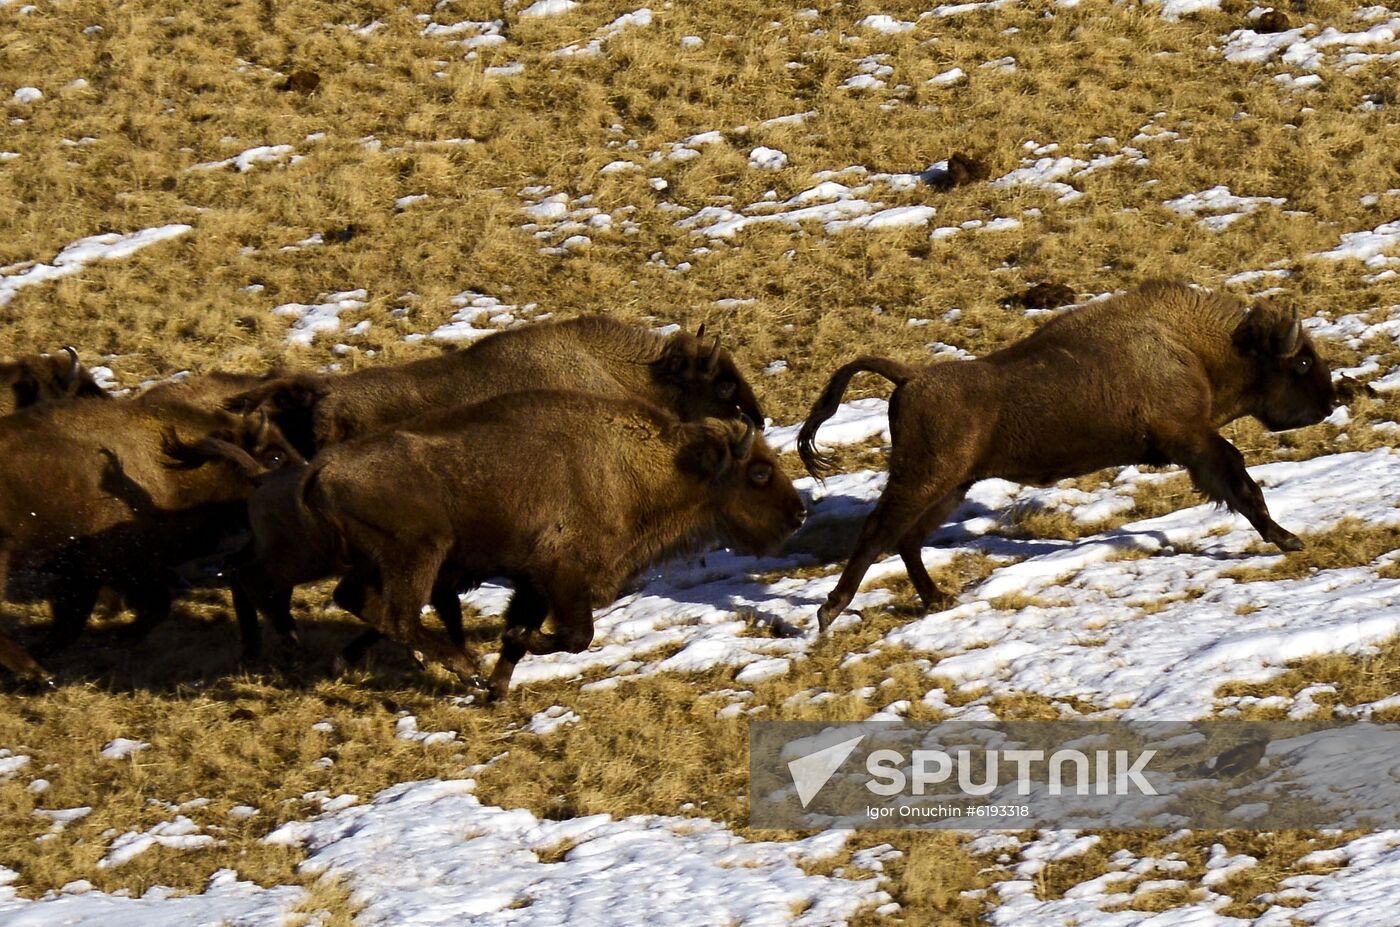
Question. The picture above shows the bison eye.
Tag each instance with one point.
(760, 474)
(1302, 365)
(274, 460)
(726, 389)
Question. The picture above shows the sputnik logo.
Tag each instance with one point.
(811, 772)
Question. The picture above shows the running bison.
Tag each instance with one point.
(686, 373)
(1144, 378)
(567, 495)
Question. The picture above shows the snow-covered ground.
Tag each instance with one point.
(1148, 618)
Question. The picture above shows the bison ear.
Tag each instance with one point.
(1269, 330)
(706, 452)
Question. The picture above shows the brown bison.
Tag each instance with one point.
(686, 373)
(41, 377)
(1144, 378)
(111, 494)
(565, 494)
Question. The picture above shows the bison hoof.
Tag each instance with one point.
(475, 681)
(1289, 543)
(825, 616)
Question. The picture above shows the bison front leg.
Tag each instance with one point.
(257, 594)
(350, 595)
(1217, 469)
(71, 607)
(527, 612)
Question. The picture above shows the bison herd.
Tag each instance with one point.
(566, 456)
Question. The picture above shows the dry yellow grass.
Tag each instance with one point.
(172, 85)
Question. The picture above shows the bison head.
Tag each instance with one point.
(250, 441)
(706, 380)
(756, 505)
(42, 377)
(290, 402)
(1292, 385)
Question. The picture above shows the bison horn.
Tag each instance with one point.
(700, 332)
(1290, 338)
(260, 435)
(75, 366)
(710, 359)
(745, 445)
(217, 447)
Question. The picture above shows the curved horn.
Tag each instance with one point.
(75, 366)
(745, 445)
(217, 447)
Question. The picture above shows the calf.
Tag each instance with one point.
(567, 495)
(1144, 378)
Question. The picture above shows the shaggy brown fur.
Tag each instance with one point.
(568, 495)
(1145, 378)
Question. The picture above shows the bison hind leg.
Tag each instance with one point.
(911, 547)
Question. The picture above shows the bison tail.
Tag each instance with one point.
(827, 403)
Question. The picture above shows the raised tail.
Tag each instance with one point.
(827, 403)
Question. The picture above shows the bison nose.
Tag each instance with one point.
(797, 517)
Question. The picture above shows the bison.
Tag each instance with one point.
(565, 494)
(683, 372)
(687, 375)
(1144, 378)
(112, 494)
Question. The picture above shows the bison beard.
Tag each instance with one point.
(1145, 378)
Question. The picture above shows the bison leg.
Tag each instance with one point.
(151, 603)
(350, 595)
(18, 661)
(911, 548)
(449, 611)
(12, 656)
(71, 608)
(394, 611)
(896, 515)
(258, 591)
(527, 611)
(1217, 469)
